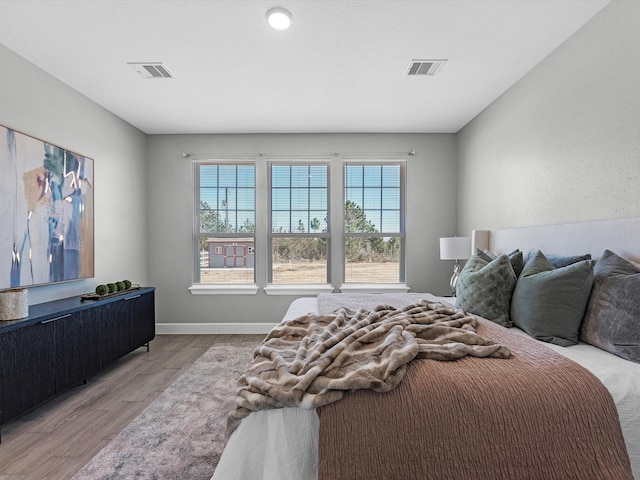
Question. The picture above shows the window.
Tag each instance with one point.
(224, 233)
(274, 224)
(299, 219)
(374, 222)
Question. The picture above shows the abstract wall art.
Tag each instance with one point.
(46, 212)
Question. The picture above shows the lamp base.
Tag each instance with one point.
(454, 278)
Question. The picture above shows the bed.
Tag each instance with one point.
(284, 443)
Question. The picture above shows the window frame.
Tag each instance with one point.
(199, 287)
(271, 235)
(263, 235)
(376, 286)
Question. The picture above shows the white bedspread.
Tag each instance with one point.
(282, 444)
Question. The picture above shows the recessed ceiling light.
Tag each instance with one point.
(279, 18)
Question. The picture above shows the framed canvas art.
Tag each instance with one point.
(46, 212)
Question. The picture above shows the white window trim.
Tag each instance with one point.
(298, 289)
(377, 287)
(374, 288)
(220, 288)
(336, 202)
(223, 289)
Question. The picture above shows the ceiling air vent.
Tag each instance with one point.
(425, 68)
(151, 70)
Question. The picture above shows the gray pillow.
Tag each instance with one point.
(612, 319)
(485, 288)
(516, 258)
(548, 303)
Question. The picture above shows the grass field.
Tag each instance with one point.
(301, 273)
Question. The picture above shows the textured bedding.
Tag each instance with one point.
(536, 416)
(314, 360)
(282, 444)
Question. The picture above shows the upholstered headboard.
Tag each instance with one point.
(622, 236)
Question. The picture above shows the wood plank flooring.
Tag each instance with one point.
(54, 441)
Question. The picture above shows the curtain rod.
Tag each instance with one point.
(202, 156)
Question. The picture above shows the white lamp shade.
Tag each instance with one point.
(455, 248)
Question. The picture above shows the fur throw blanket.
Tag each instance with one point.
(314, 360)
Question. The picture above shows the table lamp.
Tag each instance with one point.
(455, 248)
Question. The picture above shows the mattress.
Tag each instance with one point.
(282, 444)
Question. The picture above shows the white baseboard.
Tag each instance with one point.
(213, 328)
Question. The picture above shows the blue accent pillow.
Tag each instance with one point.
(559, 262)
(612, 319)
(548, 302)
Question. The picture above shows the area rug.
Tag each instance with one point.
(182, 433)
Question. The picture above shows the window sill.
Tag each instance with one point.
(374, 288)
(201, 289)
(311, 289)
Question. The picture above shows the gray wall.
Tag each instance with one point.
(563, 144)
(35, 103)
(430, 215)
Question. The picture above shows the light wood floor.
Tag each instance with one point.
(60, 437)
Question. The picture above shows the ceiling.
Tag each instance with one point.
(341, 67)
